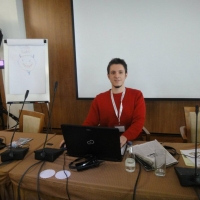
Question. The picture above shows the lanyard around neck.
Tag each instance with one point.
(118, 114)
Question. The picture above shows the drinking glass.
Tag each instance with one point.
(160, 162)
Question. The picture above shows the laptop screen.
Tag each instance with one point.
(102, 142)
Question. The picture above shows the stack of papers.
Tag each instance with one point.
(189, 157)
(20, 142)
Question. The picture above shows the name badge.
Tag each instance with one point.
(121, 128)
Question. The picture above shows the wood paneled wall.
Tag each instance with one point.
(52, 20)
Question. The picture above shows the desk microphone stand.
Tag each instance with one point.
(190, 176)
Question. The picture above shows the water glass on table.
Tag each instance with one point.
(160, 162)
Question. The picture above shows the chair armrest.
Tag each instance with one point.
(12, 129)
(147, 133)
(183, 132)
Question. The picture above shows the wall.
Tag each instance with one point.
(13, 27)
(52, 20)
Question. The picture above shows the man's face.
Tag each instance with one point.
(117, 75)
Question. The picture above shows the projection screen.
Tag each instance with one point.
(158, 39)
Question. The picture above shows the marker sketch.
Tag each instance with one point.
(27, 69)
(26, 60)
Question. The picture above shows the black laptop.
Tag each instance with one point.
(102, 142)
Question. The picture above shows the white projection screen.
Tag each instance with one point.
(158, 39)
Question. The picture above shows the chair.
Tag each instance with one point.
(147, 133)
(188, 132)
(31, 121)
(144, 133)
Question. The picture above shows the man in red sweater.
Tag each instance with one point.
(119, 107)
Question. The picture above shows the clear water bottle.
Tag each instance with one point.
(130, 160)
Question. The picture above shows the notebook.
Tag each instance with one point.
(102, 142)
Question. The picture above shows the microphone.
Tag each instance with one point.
(50, 113)
(17, 153)
(196, 111)
(26, 95)
(49, 154)
(190, 176)
(10, 115)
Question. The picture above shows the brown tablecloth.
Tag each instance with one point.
(5, 184)
(108, 181)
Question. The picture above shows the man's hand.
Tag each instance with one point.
(123, 140)
(62, 144)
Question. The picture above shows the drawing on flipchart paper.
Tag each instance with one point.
(26, 60)
(27, 69)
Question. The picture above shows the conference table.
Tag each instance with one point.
(108, 181)
(36, 142)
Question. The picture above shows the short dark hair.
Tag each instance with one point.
(117, 61)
